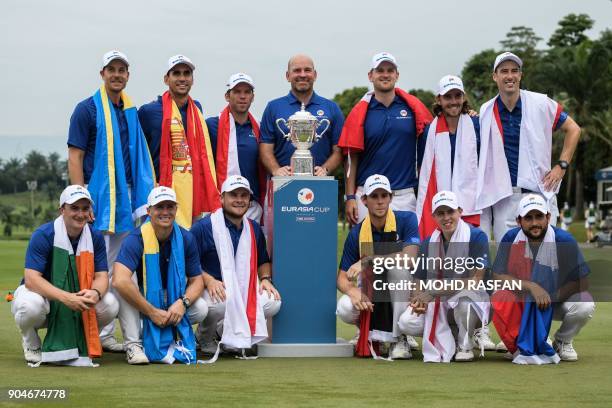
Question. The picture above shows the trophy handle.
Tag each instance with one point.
(319, 135)
(283, 121)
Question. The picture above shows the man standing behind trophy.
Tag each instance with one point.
(275, 150)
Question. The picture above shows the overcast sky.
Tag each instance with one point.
(51, 50)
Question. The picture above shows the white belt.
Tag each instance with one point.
(403, 191)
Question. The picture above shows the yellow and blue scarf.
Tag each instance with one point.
(170, 343)
(114, 209)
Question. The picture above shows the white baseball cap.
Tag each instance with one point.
(179, 59)
(532, 202)
(114, 55)
(376, 181)
(448, 83)
(446, 198)
(239, 78)
(74, 193)
(159, 194)
(382, 57)
(235, 182)
(507, 56)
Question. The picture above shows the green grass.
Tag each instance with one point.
(316, 382)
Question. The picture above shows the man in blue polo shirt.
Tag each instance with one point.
(380, 137)
(563, 287)
(30, 305)
(131, 286)
(393, 228)
(151, 114)
(468, 247)
(180, 144)
(275, 150)
(235, 196)
(516, 128)
(234, 137)
(110, 112)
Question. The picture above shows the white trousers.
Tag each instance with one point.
(30, 310)
(113, 245)
(462, 327)
(403, 200)
(131, 321)
(501, 216)
(349, 315)
(573, 315)
(212, 326)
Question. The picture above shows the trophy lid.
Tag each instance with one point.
(302, 116)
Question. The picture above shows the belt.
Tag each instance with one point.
(181, 168)
(403, 191)
(517, 189)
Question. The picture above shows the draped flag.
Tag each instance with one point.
(114, 208)
(72, 337)
(436, 173)
(521, 325)
(170, 343)
(227, 152)
(438, 339)
(377, 325)
(539, 117)
(244, 323)
(200, 194)
(352, 136)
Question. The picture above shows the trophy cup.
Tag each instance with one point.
(303, 134)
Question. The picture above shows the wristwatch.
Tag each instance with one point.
(263, 278)
(563, 164)
(186, 301)
(349, 197)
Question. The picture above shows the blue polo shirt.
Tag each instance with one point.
(40, 250)
(407, 233)
(511, 128)
(82, 135)
(286, 106)
(478, 248)
(209, 258)
(390, 144)
(151, 116)
(453, 141)
(572, 265)
(248, 150)
(132, 248)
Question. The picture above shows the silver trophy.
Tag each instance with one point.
(303, 134)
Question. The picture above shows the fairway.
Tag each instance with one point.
(315, 382)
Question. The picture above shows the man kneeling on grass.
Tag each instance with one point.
(457, 254)
(237, 272)
(165, 289)
(65, 287)
(366, 300)
(547, 264)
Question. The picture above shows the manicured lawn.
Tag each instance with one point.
(491, 381)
